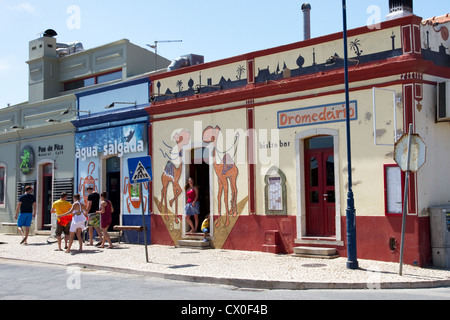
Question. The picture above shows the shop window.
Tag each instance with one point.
(109, 77)
(275, 192)
(90, 81)
(2, 184)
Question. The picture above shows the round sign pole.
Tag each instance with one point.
(143, 220)
(405, 201)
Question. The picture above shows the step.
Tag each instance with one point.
(314, 252)
(194, 244)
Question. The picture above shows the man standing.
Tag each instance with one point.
(26, 206)
(61, 207)
(94, 218)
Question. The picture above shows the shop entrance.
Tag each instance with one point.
(199, 171)
(320, 187)
(113, 188)
(46, 196)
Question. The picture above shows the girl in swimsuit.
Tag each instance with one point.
(192, 207)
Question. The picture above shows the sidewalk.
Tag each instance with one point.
(227, 267)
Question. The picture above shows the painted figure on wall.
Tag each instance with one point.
(89, 181)
(172, 172)
(225, 170)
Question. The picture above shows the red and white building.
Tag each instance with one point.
(263, 134)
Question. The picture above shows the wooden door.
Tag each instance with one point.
(320, 192)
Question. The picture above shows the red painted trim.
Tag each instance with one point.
(378, 85)
(150, 153)
(394, 66)
(407, 39)
(251, 160)
(251, 71)
(408, 107)
(417, 40)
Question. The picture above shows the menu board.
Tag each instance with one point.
(275, 194)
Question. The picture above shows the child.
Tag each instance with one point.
(78, 221)
(205, 227)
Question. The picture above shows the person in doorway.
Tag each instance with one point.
(106, 210)
(78, 224)
(93, 217)
(25, 213)
(205, 227)
(192, 207)
(60, 207)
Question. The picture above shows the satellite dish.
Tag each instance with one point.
(50, 33)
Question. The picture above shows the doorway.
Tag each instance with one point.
(47, 196)
(320, 197)
(199, 171)
(113, 187)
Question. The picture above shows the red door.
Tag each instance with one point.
(320, 191)
(47, 186)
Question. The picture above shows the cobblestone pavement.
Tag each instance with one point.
(229, 267)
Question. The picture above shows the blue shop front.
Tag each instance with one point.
(111, 127)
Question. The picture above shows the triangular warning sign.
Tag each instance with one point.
(140, 173)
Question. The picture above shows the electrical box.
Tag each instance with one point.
(440, 236)
(443, 101)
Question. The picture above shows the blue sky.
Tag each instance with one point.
(215, 29)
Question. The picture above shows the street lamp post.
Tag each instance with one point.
(352, 262)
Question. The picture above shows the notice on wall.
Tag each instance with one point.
(394, 190)
(275, 194)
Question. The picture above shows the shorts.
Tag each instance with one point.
(191, 210)
(24, 220)
(60, 229)
(205, 230)
(94, 220)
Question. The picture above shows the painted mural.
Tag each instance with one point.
(172, 172)
(226, 170)
(123, 142)
(87, 181)
(225, 189)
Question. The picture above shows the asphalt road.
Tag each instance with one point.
(25, 281)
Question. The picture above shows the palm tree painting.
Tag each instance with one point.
(179, 85)
(354, 45)
(240, 71)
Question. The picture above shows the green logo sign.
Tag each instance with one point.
(27, 157)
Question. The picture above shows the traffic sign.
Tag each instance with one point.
(140, 169)
(417, 153)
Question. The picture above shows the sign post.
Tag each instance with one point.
(410, 154)
(140, 171)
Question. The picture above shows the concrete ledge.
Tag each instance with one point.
(311, 252)
(196, 244)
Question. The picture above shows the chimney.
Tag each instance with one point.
(306, 8)
(399, 9)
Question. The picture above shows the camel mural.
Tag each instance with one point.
(172, 173)
(226, 170)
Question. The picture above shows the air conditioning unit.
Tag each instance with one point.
(443, 102)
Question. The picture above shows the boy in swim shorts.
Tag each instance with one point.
(25, 213)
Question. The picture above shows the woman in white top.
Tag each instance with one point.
(78, 221)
